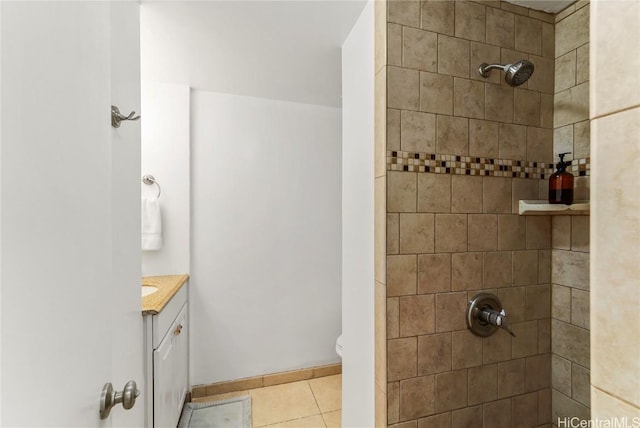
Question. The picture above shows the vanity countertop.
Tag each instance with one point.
(168, 286)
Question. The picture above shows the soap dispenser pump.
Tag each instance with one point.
(561, 184)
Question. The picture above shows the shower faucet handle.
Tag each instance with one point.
(503, 323)
(497, 318)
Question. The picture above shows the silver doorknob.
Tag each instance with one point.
(110, 398)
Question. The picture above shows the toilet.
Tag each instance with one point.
(339, 346)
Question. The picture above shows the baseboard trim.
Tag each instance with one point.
(199, 391)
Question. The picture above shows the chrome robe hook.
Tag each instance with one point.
(117, 117)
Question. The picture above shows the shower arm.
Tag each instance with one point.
(485, 68)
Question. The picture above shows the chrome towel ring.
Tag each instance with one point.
(150, 179)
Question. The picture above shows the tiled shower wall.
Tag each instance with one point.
(570, 234)
(461, 152)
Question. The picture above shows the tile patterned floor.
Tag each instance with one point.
(316, 403)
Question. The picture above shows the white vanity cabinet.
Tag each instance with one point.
(166, 361)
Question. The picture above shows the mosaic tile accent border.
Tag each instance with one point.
(469, 165)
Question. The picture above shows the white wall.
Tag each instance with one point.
(265, 289)
(358, 379)
(165, 155)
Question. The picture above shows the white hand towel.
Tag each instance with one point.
(151, 224)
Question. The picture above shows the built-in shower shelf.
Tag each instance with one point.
(545, 208)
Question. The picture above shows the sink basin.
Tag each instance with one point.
(148, 289)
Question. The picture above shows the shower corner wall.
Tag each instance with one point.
(454, 145)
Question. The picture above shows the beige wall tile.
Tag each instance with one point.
(496, 195)
(416, 315)
(394, 44)
(572, 31)
(470, 21)
(544, 266)
(513, 8)
(561, 232)
(580, 308)
(538, 372)
(496, 348)
(562, 141)
(393, 317)
(466, 271)
(498, 414)
(561, 374)
(468, 98)
(525, 344)
(402, 356)
(580, 384)
(581, 188)
(570, 342)
(453, 56)
(406, 424)
(483, 53)
(548, 40)
(483, 138)
(513, 141)
(416, 233)
(449, 307)
(401, 275)
(403, 87)
(434, 353)
(442, 420)
(582, 140)
(497, 269)
(419, 49)
(543, 77)
(393, 233)
(564, 407)
(606, 407)
(528, 35)
(546, 110)
(466, 350)
(511, 232)
(539, 144)
(565, 12)
(525, 410)
(572, 105)
(500, 28)
(511, 377)
(565, 71)
(513, 300)
(571, 268)
(544, 336)
(538, 302)
(401, 191)
(499, 103)
(523, 188)
(466, 194)
(417, 397)
(580, 233)
(436, 93)
(561, 303)
(582, 64)
(418, 131)
(538, 232)
(544, 406)
(438, 16)
(393, 402)
(483, 233)
(451, 233)
(452, 135)
(525, 267)
(526, 109)
(434, 273)
(406, 12)
(483, 384)
(434, 193)
(451, 390)
(542, 16)
(393, 129)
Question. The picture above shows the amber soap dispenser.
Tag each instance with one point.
(561, 184)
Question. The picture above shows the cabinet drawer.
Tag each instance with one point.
(162, 322)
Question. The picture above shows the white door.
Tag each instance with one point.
(69, 203)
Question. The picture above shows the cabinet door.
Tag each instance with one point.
(164, 409)
(181, 350)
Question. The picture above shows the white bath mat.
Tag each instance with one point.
(230, 413)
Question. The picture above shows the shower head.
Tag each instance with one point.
(515, 74)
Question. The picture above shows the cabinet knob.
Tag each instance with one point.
(178, 330)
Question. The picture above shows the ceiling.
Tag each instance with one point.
(287, 50)
(549, 6)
